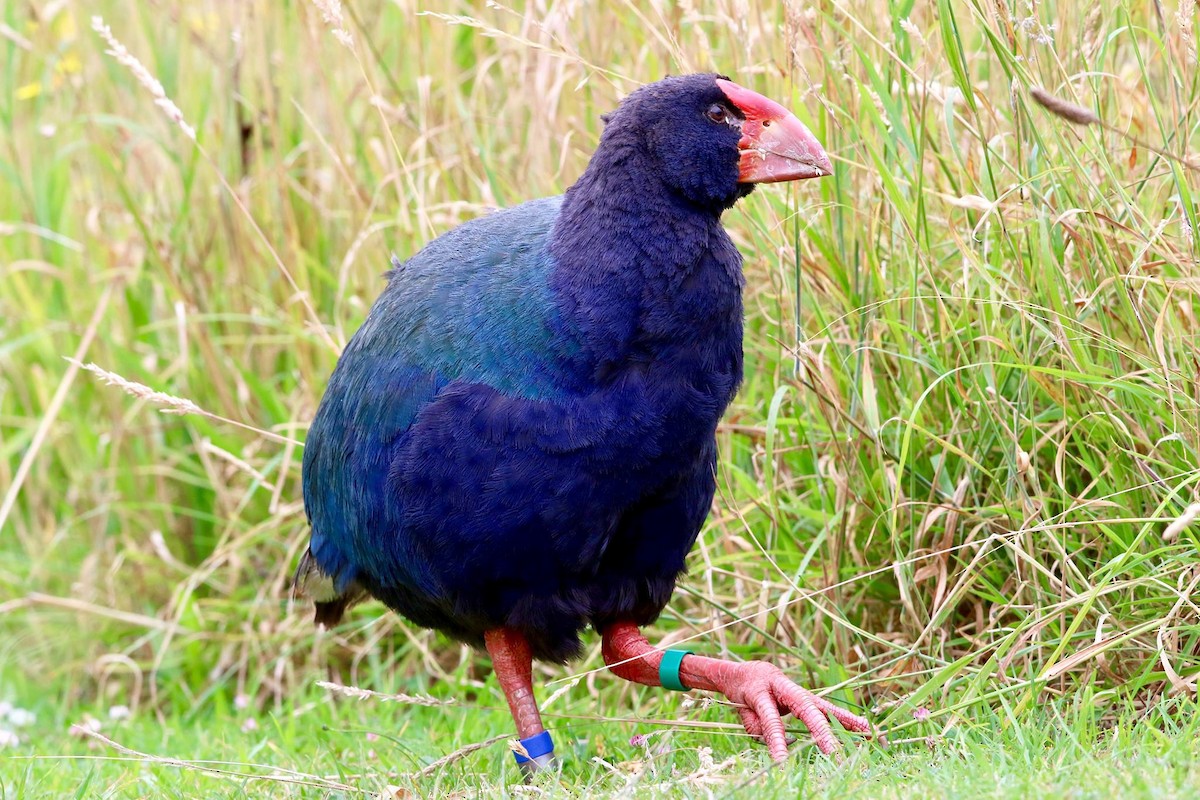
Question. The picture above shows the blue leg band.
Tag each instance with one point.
(536, 746)
(668, 670)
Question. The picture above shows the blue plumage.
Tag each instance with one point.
(520, 441)
(522, 433)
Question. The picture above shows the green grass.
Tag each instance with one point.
(959, 476)
(349, 750)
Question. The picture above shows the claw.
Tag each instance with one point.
(761, 692)
(766, 694)
(754, 728)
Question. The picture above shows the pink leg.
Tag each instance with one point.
(762, 692)
(513, 664)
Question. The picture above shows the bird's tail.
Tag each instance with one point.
(328, 603)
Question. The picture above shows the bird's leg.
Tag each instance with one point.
(761, 690)
(513, 663)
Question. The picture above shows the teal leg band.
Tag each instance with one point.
(668, 670)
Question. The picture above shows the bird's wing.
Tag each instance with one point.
(473, 305)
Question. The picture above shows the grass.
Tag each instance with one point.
(960, 477)
(319, 749)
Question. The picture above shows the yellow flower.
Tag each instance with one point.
(69, 64)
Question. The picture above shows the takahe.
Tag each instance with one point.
(519, 441)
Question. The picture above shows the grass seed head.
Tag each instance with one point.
(1069, 111)
(331, 15)
(143, 76)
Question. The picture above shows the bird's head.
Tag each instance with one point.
(712, 140)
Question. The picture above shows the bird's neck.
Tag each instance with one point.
(634, 262)
(621, 188)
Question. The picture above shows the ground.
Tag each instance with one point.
(362, 748)
(958, 489)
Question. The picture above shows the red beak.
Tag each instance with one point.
(775, 145)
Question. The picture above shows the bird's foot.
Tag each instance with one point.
(763, 694)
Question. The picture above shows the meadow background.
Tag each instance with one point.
(957, 489)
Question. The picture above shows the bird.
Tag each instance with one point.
(519, 442)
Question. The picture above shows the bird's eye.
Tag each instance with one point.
(716, 112)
